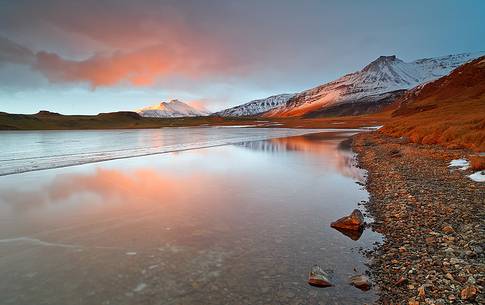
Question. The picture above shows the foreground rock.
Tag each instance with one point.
(433, 221)
(360, 281)
(318, 277)
(354, 221)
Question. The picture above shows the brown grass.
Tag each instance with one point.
(459, 125)
(477, 163)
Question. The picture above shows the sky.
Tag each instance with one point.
(87, 57)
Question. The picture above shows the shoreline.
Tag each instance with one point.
(431, 218)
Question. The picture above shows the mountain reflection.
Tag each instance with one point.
(332, 148)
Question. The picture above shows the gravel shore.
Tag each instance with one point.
(433, 220)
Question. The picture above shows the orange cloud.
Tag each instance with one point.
(140, 67)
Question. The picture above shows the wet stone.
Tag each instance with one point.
(361, 281)
(318, 277)
(354, 221)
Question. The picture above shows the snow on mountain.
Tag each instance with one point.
(380, 82)
(256, 107)
(172, 109)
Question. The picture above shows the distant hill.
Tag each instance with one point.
(449, 111)
(256, 107)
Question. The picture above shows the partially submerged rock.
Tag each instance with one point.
(354, 221)
(360, 281)
(318, 277)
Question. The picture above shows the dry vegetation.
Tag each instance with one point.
(477, 163)
(449, 112)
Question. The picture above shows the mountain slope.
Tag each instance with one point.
(365, 91)
(172, 109)
(449, 111)
(256, 107)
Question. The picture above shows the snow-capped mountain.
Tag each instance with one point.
(375, 86)
(172, 109)
(256, 107)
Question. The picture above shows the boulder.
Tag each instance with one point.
(354, 221)
(360, 281)
(318, 277)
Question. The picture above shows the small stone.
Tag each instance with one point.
(413, 302)
(448, 229)
(318, 277)
(449, 276)
(354, 221)
(454, 261)
(421, 292)
(361, 282)
(400, 281)
(468, 293)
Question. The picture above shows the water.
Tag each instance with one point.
(233, 224)
(24, 151)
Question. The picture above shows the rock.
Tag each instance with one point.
(400, 281)
(354, 221)
(361, 281)
(468, 293)
(318, 277)
(421, 292)
(448, 229)
(413, 302)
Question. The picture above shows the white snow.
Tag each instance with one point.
(257, 106)
(462, 164)
(478, 176)
(172, 109)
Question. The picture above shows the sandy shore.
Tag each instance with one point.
(433, 220)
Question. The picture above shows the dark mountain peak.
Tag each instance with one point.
(381, 61)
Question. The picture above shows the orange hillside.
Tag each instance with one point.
(449, 111)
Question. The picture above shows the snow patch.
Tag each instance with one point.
(462, 164)
(478, 176)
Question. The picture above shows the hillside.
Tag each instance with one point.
(449, 111)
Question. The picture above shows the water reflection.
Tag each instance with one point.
(225, 225)
(321, 146)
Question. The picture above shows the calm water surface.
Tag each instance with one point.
(235, 224)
